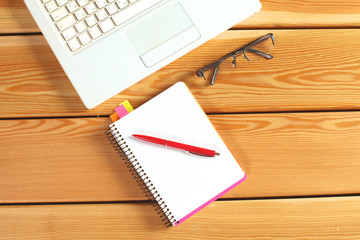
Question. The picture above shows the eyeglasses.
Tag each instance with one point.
(251, 52)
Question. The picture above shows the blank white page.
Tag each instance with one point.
(185, 182)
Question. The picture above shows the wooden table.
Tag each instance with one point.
(292, 123)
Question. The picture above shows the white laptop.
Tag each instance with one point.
(105, 46)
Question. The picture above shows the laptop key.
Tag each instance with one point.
(74, 44)
(66, 22)
(90, 8)
(51, 6)
(95, 32)
(112, 8)
(82, 2)
(100, 3)
(72, 6)
(59, 14)
(101, 14)
(91, 21)
(69, 33)
(61, 2)
(80, 14)
(80, 27)
(84, 38)
(106, 25)
(122, 3)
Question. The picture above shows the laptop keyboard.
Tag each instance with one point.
(83, 22)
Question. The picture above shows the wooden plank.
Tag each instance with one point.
(15, 18)
(312, 218)
(70, 160)
(308, 72)
(304, 14)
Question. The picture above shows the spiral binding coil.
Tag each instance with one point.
(139, 175)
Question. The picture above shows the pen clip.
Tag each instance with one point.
(202, 155)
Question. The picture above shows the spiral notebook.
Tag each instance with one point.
(180, 183)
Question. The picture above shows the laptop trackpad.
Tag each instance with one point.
(162, 33)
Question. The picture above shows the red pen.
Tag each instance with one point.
(191, 149)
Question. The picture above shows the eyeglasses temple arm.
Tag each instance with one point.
(212, 82)
(200, 72)
(257, 41)
(260, 53)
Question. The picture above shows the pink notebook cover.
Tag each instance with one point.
(210, 201)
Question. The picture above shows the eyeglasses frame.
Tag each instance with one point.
(235, 54)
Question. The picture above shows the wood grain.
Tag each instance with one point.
(308, 72)
(61, 179)
(304, 14)
(322, 218)
(70, 160)
(15, 18)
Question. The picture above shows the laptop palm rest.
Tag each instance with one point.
(162, 33)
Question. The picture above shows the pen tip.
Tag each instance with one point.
(217, 154)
